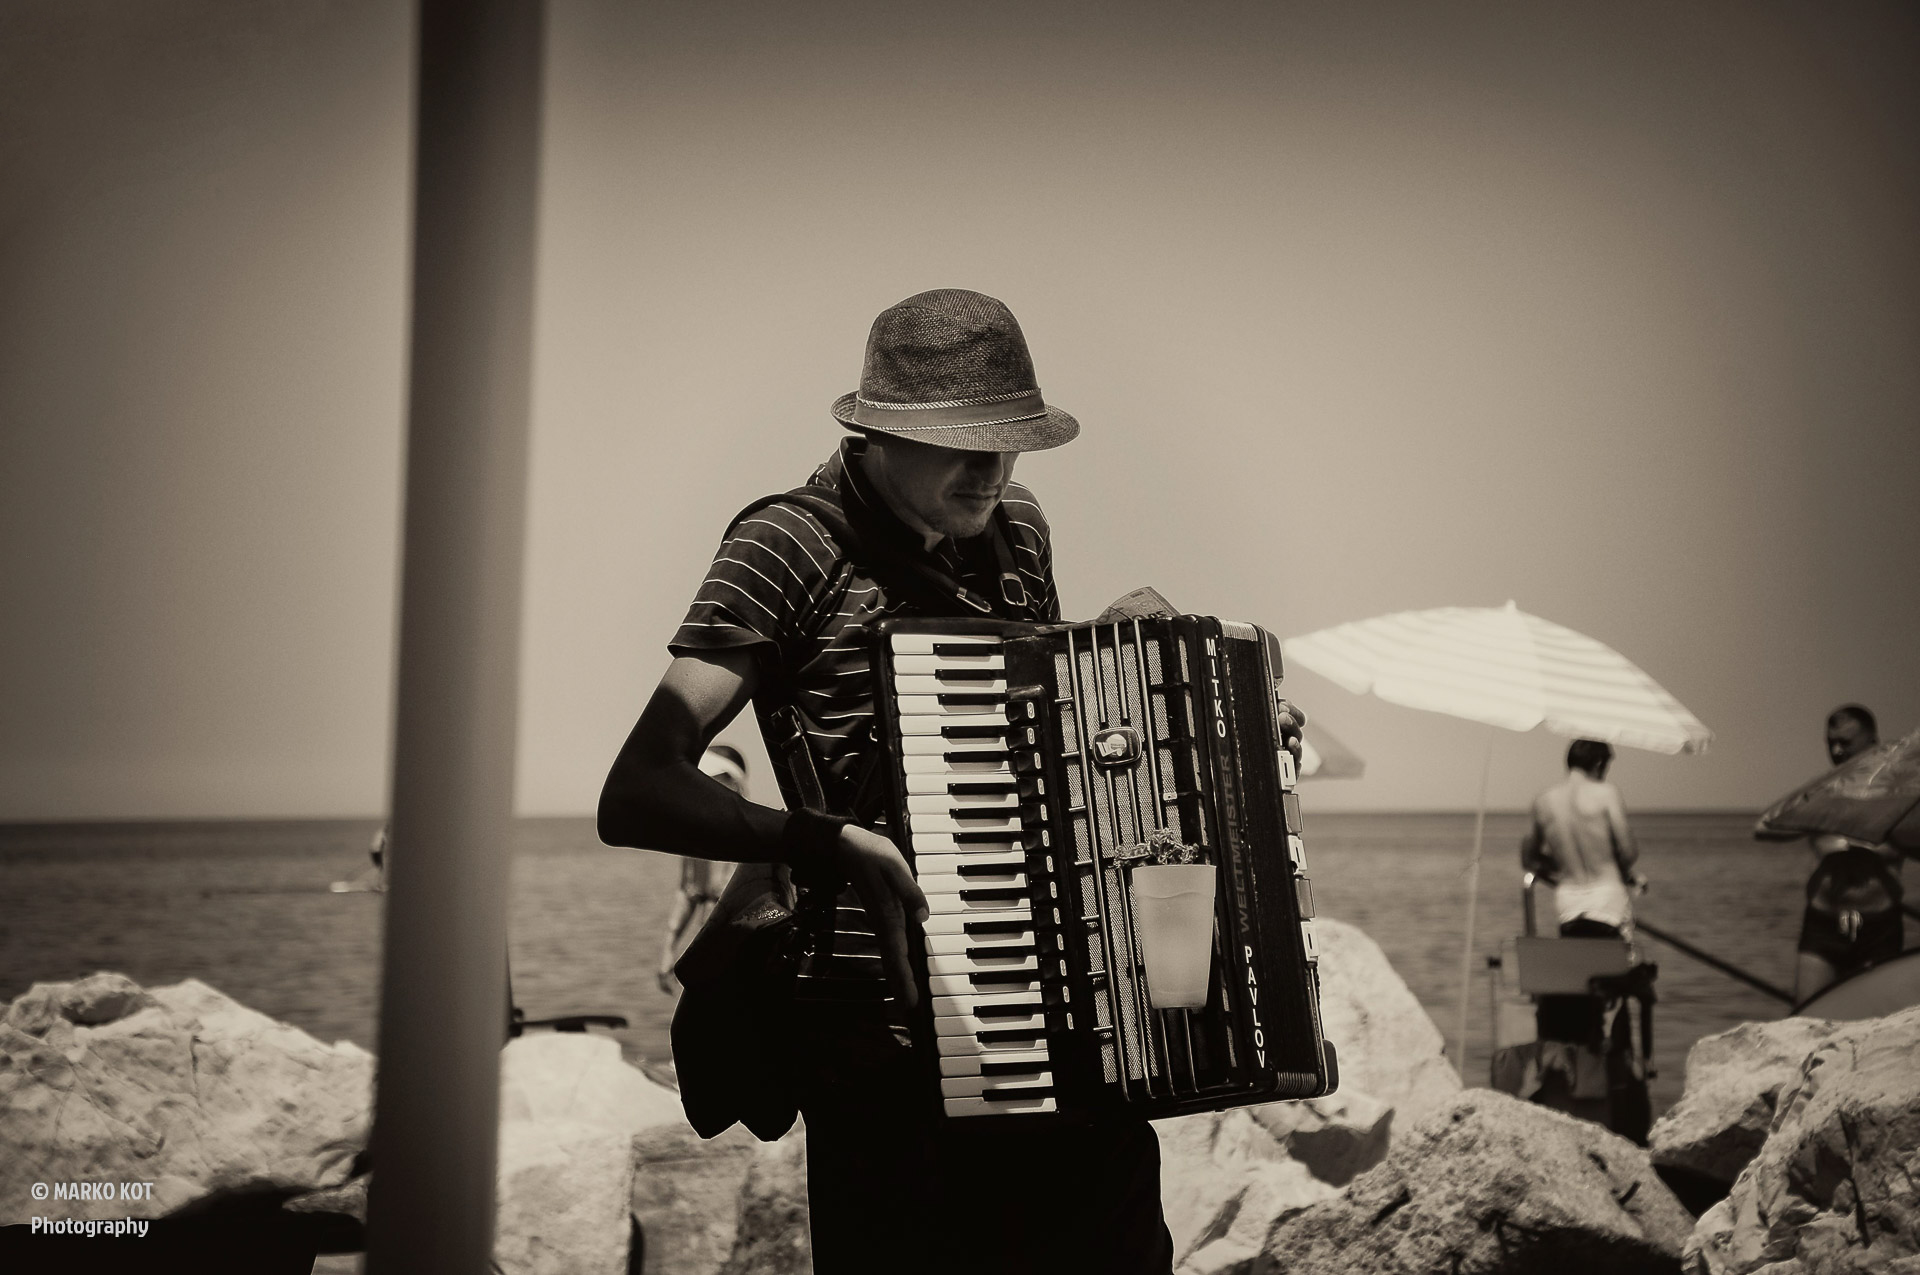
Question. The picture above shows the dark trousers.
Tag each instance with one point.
(891, 1187)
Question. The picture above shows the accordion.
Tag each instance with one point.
(1032, 768)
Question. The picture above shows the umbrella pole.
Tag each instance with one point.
(1473, 903)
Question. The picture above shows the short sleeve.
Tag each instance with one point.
(1032, 549)
(764, 578)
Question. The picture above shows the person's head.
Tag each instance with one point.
(948, 399)
(1851, 731)
(1590, 757)
(724, 763)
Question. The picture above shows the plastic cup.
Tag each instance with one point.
(1173, 907)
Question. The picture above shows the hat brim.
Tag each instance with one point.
(1036, 434)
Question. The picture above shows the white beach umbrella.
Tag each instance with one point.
(1506, 668)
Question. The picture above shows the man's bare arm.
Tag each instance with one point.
(1533, 855)
(655, 798)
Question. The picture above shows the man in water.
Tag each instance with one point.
(1853, 916)
(701, 880)
(1580, 845)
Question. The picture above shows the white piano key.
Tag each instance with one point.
(924, 782)
(964, 963)
(929, 741)
(940, 803)
(952, 915)
(965, 1025)
(998, 857)
(943, 843)
(913, 684)
(970, 1064)
(947, 985)
(953, 883)
(961, 1044)
(955, 944)
(980, 1086)
(1009, 823)
(973, 1003)
(963, 1107)
(930, 706)
(983, 657)
(923, 643)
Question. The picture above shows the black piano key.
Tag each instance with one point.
(965, 650)
(1004, 949)
(982, 788)
(995, 927)
(996, 813)
(1007, 894)
(987, 869)
(970, 699)
(1028, 1036)
(969, 674)
(978, 837)
(1013, 1068)
(991, 978)
(979, 754)
(1024, 1009)
(997, 730)
(1016, 1093)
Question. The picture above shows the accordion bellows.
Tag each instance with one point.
(1032, 766)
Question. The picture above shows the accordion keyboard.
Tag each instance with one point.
(964, 812)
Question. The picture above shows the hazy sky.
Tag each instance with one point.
(1608, 308)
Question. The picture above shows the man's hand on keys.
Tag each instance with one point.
(878, 872)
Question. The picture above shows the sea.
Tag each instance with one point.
(246, 907)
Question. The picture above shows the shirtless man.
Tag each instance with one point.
(1853, 914)
(1580, 845)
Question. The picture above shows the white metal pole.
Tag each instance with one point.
(443, 986)
(1473, 903)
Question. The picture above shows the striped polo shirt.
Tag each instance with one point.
(767, 587)
(769, 577)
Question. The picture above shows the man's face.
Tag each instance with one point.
(944, 489)
(1847, 739)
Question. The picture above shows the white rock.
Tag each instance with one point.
(1835, 1189)
(1496, 1186)
(581, 1077)
(1224, 1179)
(1734, 1079)
(562, 1201)
(188, 1090)
(1388, 1047)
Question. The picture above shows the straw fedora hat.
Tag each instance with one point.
(951, 368)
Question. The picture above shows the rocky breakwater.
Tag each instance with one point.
(1491, 1185)
(1228, 1177)
(1833, 1187)
(181, 1087)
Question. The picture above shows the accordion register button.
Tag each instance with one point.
(1303, 897)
